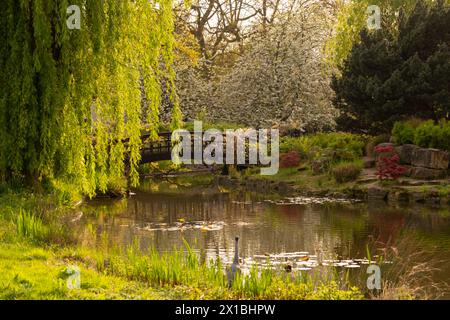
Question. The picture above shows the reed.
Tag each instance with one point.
(31, 226)
(183, 269)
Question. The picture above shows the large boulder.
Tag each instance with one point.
(406, 153)
(430, 158)
(427, 173)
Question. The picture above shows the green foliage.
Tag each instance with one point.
(346, 172)
(30, 226)
(184, 268)
(430, 135)
(389, 76)
(403, 133)
(426, 135)
(70, 97)
(338, 146)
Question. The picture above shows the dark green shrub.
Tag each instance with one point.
(346, 172)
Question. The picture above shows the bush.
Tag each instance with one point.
(426, 134)
(337, 145)
(290, 159)
(301, 145)
(346, 172)
(403, 133)
(388, 167)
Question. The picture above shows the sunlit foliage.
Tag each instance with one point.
(70, 97)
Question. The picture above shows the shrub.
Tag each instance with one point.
(301, 145)
(403, 133)
(388, 163)
(290, 159)
(346, 172)
(425, 134)
(430, 135)
(340, 146)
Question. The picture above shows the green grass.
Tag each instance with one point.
(31, 272)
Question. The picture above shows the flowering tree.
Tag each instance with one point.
(270, 73)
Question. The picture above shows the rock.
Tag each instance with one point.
(417, 197)
(432, 197)
(430, 158)
(406, 153)
(398, 196)
(366, 180)
(376, 193)
(416, 183)
(368, 162)
(427, 174)
(386, 144)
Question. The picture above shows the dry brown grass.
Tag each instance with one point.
(412, 272)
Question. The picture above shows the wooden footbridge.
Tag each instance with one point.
(156, 150)
(161, 148)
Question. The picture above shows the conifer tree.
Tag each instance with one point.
(387, 78)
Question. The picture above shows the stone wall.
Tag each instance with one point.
(424, 163)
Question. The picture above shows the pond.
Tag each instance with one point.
(307, 230)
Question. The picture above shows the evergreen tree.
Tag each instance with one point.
(69, 97)
(387, 78)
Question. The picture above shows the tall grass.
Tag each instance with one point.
(30, 225)
(406, 271)
(183, 269)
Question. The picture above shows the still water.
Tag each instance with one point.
(161, 215)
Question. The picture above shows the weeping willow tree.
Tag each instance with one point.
(70, 98)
